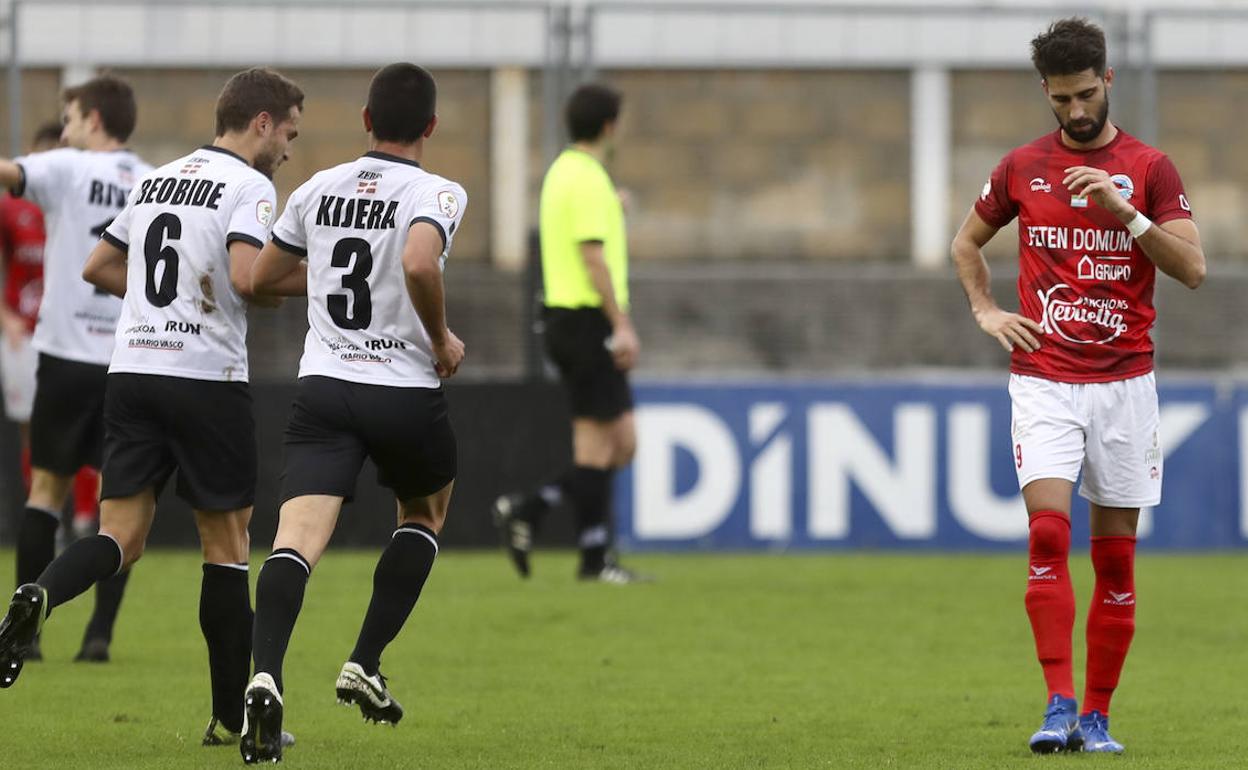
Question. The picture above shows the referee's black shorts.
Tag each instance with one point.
(67, 419)
(334, 424)
(154, 424)
(576, 341)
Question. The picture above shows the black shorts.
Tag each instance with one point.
(205, 430)
(576, 341)
(334, 424)
(67, 419)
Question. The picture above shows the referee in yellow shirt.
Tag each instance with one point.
(589, 337)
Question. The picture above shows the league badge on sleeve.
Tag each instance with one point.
(264, 212)
(448, 204)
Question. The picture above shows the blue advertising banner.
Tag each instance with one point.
(895, 464)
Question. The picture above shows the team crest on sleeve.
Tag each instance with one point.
(448, 204)
(1183, 204)
(264, 212)
(983, 194)
(1126, 188)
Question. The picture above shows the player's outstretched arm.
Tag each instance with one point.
(1010, 329)
(423, 271)
(106, 269)
(273, 272)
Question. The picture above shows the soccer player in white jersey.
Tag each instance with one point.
(80, 188)
(375, 233)
(180, 254)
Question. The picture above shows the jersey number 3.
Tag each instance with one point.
(157, 253)
(354, 311)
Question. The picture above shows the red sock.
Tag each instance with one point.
(86, 493)
(1050, 599)
(1111, 618)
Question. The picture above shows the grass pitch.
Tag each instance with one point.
(730, 661)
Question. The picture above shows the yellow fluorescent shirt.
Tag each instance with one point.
(579, 204)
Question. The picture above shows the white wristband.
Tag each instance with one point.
(1139, 225)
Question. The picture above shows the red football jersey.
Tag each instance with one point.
(21, 240)
(1081, 275)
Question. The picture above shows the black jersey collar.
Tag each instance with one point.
(389, 157)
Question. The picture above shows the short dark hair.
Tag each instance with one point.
(1069, 46)
(251, 92)
(47, 132)
(590, 108)
(113, 98)
(402, 99)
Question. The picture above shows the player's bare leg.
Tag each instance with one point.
(1050, 601)
(303, 531)
(397, 582)
(1111, 619)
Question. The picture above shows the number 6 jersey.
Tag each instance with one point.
(352, 222)
(181, 315)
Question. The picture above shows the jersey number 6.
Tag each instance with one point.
(156, 253)
(356, 311)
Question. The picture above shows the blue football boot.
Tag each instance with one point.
(1060, 731)
(1095, 727)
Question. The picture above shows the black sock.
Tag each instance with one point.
(36, 543)
(589, 491)
(279, 596)
(400, 575)
(84, 563)
(225, 618)
(108, 593)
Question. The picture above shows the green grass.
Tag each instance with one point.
(730, 661)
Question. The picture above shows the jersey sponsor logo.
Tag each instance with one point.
(181, 192)
(448, 204)
(1126, 188)
(368, 175)
(1080, 319)
(264, 212)
(1183, 204)
(348, 352)
(1080, 238)
(149, 343)
(366, 187)
(182, 327)
(356, 213)
(1039, 185)
(1093, 270)
(193, 166)
(384, 344)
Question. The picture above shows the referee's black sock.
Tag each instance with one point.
(400, 575)
(36, 543)
(225, 618)
(108, 594)
(589, 491)
(83, 564)
(279, 597)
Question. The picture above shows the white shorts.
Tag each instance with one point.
(1110, 430)
(17, 375)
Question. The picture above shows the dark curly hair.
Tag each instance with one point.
(1069, 46)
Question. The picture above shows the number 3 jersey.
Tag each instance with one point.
(80, 191)
(352, 222)
(181, 315)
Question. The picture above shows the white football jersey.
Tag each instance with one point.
(80, 191)
(352, 221)
(181, 315)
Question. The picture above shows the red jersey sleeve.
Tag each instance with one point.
(1166, 199)
(995, 206)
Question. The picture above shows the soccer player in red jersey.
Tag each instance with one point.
(22, 238)
(1099, 212)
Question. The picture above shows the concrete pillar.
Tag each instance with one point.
(509, 166)
(931, 145)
